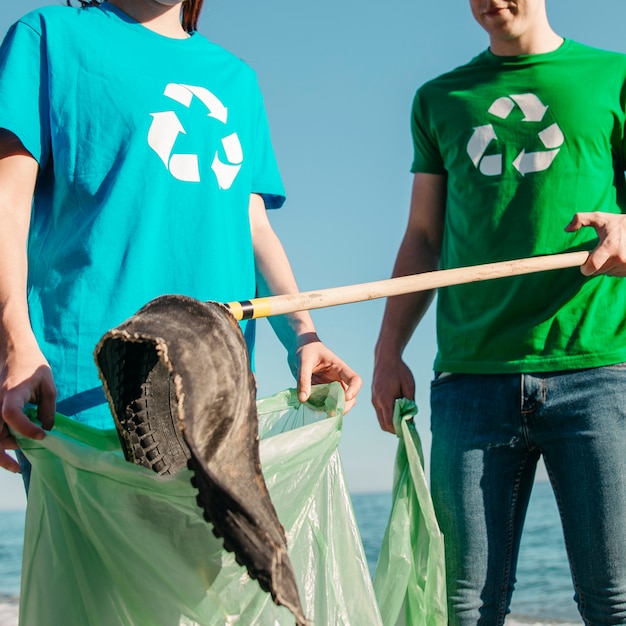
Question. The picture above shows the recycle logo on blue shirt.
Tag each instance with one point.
(533, 110)
(166, 127)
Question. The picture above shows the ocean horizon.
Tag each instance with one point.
(543, 595)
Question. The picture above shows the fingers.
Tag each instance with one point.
(599, 261)
(14, 417)
(609, 256)
(600, 256)
(46, 408)
(384, 413)
(350, 404)
(390, 382)
(583, 219)
(25, 378)
(39, 389)
(593, 219)
(7, 462)
(7, 442)
(304, 382)
(319, 365)
(349, 379)
(352, 384)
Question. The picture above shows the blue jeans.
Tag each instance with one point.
(489, 432)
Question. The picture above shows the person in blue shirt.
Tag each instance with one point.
(135, 161)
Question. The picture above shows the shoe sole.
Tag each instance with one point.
(178, 380)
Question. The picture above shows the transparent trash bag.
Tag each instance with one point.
(410, 578)
(110, 543)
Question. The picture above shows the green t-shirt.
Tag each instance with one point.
(526, 142)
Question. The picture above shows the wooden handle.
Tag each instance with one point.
(290, 303)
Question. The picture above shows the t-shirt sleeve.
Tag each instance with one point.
(622, 144)
(426, 156)
(266, 179)
(24, 102)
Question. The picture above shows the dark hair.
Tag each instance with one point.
(191, 11)
(191, 14)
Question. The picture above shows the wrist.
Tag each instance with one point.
(301, 331)
(388, 350)
(305, 339)
(15, 336)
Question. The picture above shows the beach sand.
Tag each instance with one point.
(9, 614)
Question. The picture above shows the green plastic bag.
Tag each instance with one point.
(109, 543)
(409, 582)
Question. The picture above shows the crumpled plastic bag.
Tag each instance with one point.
(410, 581)
(110, 543)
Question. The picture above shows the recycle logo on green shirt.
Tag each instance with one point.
(166, 127)
(533, 110)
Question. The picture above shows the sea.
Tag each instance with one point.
(543, 594)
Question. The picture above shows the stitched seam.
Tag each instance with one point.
(501, 615)
(581, 603)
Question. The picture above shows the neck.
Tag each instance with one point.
(159, 18)
(536, 38)
(535, 43)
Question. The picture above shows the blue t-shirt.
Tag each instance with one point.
(149, 149)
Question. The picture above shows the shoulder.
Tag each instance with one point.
(212, 58)
(40, 19)
(604, 68)
(54, 22)
(577, 50)
(455, 77)
(227, 58)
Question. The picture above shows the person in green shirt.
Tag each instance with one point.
(516, 154)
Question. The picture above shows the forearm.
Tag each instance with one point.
(17, 175)
(275, 276)
(24, 372)
(419, 252)
(15, 330)
(309, 359)
(403, 313)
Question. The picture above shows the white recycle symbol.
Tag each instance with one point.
(166, 127)
(525, 162)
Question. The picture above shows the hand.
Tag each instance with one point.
(24, 378)
(609, 256)
(312, 363)
(392, 379)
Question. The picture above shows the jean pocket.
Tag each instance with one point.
(441, 378)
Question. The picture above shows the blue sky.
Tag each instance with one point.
(338, 77)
